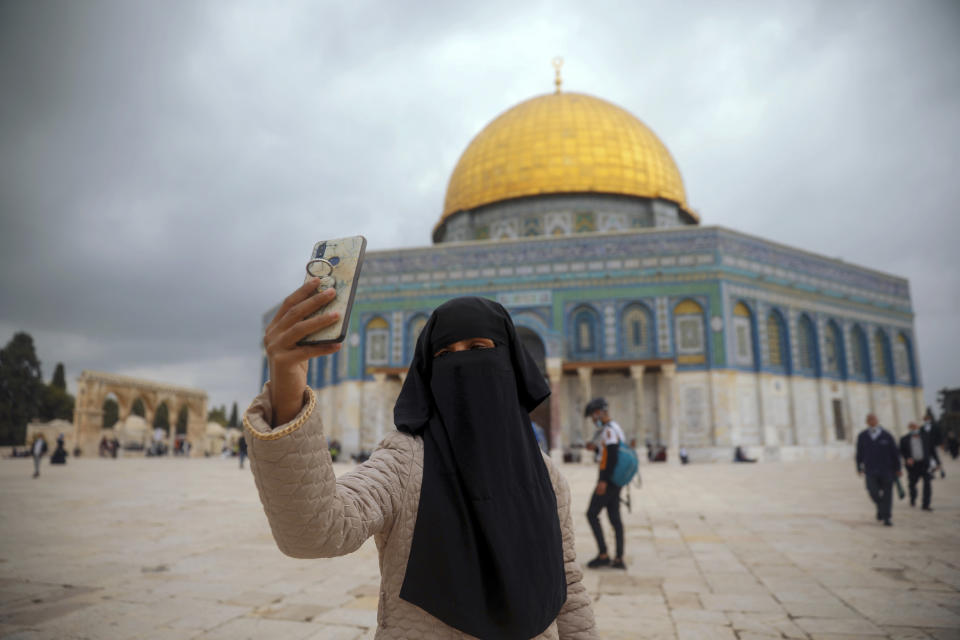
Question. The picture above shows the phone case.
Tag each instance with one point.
(338, 264)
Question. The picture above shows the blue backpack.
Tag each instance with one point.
(626, 467)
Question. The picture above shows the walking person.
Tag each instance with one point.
(606, 495)
(38, 450)
(472, 521)
(879, 460)
(242, 450)
(931, 428)
(921, 458)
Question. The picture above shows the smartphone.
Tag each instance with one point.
(337, 263)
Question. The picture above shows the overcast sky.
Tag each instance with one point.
(165, 167)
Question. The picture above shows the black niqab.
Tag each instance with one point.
(487, 551)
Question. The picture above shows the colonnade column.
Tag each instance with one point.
(586, 392)
(375, 432)
(668, 372)
(172, 434)
(558, 404)
(639, 430)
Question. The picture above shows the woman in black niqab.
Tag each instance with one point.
(487, 552)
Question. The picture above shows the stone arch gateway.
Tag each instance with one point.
(94, 386)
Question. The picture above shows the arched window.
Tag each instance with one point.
(743, 335)
(881, 354)
(691, 341)
(635, 329)
(858, 353)
(776, 341)
(414, 327)
(833, 361)
(378, 341)
(585, 331)
(806, 345)
(902, 362)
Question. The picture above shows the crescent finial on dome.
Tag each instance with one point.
(557, 65)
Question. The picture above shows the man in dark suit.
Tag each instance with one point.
(919, 452)
(931, 429)
(879, 460)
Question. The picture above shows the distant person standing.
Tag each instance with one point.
(60, 453)
(931, 429)
(38, 450)
(921, 459)
(953, 445)
(879, 460)
(242, 450)
(607, 494)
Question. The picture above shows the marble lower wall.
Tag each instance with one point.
(771, 416)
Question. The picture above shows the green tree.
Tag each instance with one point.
(182, 417)
(218, 415)
(138, 409)
(21, 388)
(234, 421)
(59, 379)
(162, 418)
(57, 403)
(111, 413)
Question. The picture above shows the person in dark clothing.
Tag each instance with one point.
(60, 453)
(242, 450)
(931, 429)
(607, 494)
(953, 445)
(922, 460)
(740, 456)
(879, 460)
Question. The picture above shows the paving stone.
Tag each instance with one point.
(905, 633)
(697, 631)
(771, 624)
(734, 602)
(257, 629)
(699, 615)
(848, 626)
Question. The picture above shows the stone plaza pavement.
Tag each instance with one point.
(174, 548)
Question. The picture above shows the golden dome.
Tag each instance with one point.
(563, 143)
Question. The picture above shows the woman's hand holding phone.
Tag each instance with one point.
(288, 362)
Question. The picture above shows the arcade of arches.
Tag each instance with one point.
(93, 387)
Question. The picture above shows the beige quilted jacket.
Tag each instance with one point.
(313, 514)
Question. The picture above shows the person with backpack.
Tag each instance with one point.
(607, 494)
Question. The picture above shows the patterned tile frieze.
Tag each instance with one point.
(610, 329)
(762, 310)
(396, 328)
(787, 302)
(792, 319)
(767, 258)
(688, 247)
(663, 326)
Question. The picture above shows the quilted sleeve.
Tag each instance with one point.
(312, 513)
(575, 621)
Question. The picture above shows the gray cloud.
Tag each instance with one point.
(165, 168)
